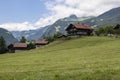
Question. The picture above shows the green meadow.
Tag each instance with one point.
(86, 58)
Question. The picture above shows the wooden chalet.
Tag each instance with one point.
(79, 30)
(41, 43)
(20, 46)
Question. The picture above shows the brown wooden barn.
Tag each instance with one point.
(79, 30)
(41, 43)
(20, 46)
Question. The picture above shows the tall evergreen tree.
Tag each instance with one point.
(23, 39)
(2, 45)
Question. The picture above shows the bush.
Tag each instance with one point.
(104, 30)
(58, 34)
(54, 37)
(68, 38)
(31, 45)
(50, 38)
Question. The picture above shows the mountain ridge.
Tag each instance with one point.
(110, 17)
(9, 38)
(50, 29)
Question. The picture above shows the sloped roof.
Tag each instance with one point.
(20, 45)
(82, 26)
(41, 42)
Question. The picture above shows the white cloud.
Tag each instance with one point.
(62, 8)
(17, 26)
(81, 7)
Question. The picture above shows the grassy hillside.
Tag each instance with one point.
(88, 58)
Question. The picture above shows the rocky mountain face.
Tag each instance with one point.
(9, 38)
(30, 34)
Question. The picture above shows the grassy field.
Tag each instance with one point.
(87, 58)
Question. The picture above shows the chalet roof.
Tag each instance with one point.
(82, 26)
(41, 42)
(20, 45)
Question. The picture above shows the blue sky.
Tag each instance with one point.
(21, 10)
(19, 15)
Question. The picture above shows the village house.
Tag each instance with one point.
(79, 30)
(20, 46)
(40, 43)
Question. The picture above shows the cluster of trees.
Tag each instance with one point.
(54, 37)
(107, 30)
(57, 36)
(30, 45)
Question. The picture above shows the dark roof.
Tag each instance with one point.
(82, 26)
(20, 45)
(41, 42)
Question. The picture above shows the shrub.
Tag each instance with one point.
(31, 45)
(50, 38)
(104, 30)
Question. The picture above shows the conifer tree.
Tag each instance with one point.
(2, 45)
(23, 39)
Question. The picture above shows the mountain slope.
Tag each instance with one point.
(61, 24)
(87, 58)
(31, 34)
(108, 18)
(9, 38)
(49, 30)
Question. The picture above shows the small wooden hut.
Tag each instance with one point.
(40, 43)
(20, 46)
